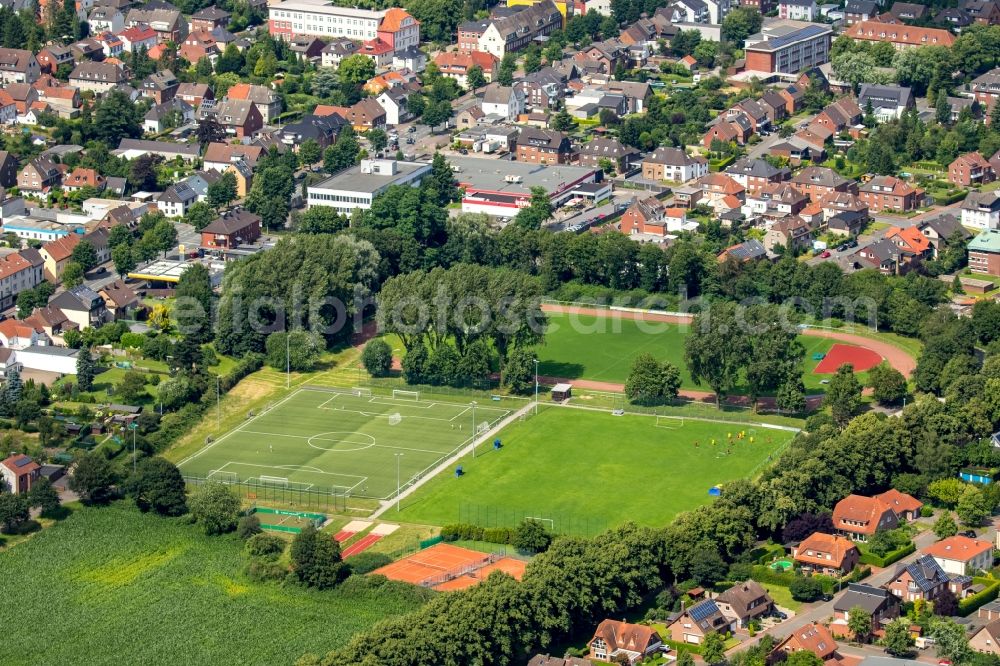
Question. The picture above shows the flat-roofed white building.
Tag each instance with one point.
(357, 186)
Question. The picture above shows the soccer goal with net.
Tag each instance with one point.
(400, 394)
(362, 392)
(395, 419)
(482, 427)
(670, 422)
(273, 481)
(221, 476)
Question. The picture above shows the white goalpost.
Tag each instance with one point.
(400, 394)
(222, 476)
(395, 419)
(276, 481)
(362, 392)
(482, 427)
(670, 422)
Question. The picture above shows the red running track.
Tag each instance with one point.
(862, 359)
(341, 537)
(361, 544)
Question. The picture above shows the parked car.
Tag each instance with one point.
(409, 140)
(826, 597)
(779, 615)
(825, 254)
(412, 129)
(969, 533)
(463, 151)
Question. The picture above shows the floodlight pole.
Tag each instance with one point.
(288, 361)
(134, 427)
(473, 428)
(398, 456)
(536, 385)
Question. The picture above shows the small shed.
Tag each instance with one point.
(562, 392)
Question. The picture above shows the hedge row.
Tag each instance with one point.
(681, 645)
(972, 604)
(768, 576)
(466, 532)
(767, 554)
(889, 558)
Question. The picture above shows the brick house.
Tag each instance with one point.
(882, 605)
(826, 554)
(40, 175)
(813, 638)
(754, 174)
(673, 164)
(744, 602)
(923, 579)
(984, 252)
(788, 232)
(538, 146)
(593, 152)
(971, 169)
(890, 193)
(818, 182)
(858, 517)
(19, 472)
(615, 641)
(650, 217)
(839, 115)
(698, 621)
(232, 229)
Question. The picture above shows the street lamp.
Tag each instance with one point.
(536, 385)
(288, 360)
(218, 404)
(398, 456)
(473, 403)
(133, 426)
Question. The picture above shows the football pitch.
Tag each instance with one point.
(570, 465)
(342, 442)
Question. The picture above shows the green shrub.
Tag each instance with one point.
(972, 604)
(889, 558)
(262, 570)
(367, 562)
(806, 589)
(266, 546)
(926, 511)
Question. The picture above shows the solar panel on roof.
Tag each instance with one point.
(22, 461)
(804, 33)
(703, 610)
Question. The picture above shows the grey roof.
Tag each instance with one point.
(604, 147)
(747, 250)
(925, 571)
(178, 193)
(104, 72)
(231, 222)
(884, 96)
(160, 111)
(756, 168)
(866, 596)
(497, 94)
(861, 7)
(670, 157)
(159, 147)
(978, 200)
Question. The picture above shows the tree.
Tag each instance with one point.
(296, 350)
(945, 603)
(123, 259)
(888, 384)
(209, 131)
(132, 388)
(315, 559)
(93, 478)
(562, 121)
(947, 492)
(310, 152)
(248, 526)
(157, 484)
(684, 658)
(436, 113)
(474, 78)
(945, 526)
(859, 621)
(117, 118)
(84, 254)
(72, 275)
(805, 589)
(44, 496)
(377, 358)
(651, 382)
(86, 370)
(14, 511)
(803, 658)
(519, 371)
(898, 640)
(716, 348)
(740, 23)
(713, 648)
(791, 395)
(193, 306)
(950, 638)
(378, 139)
(536, 212)
(972, 508)
(222, 191)
(215, 507)
(843, 395)
(531, 536)
(200, 213)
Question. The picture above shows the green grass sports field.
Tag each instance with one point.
(593, 464)
(338, 442)
(603, 348)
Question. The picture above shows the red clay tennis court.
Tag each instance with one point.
(862, 359)
(447, 567)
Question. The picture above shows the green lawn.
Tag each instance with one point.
(603, 348)
(105, 383)
(323, 441)
(594, 469)
(114, 586)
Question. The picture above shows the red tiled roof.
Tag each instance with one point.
(959, 548)
(857, 508)
(393, 19)
(900, 502)
(838, 547)
(907, 35)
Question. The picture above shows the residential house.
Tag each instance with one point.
(756, 112)
(176, 199)
(984, 253)
(105, 18)
(240, 117)
(879, 603)
(52, 56)
(244, 177)
(595, 151)
(970, 170)
(813, 638)
(82, 306)
(906, 507)
(755, 174)
(64, 101)
(819, 182)
(651, 219)
(720, 192)
(169, 24)
(986, 87)
(544, 88)
(174, 113)
(882, 255)
(306, 47)
(839, 115)
(747, 251)
(8, 169)
(844, 218)
(883, 193)
(393, 101)
(378, 51)
(908, 11)
(673, 164)
(546, 660)
(798, 10)
(791, 232)
(194, 93)
(231, 229)
(826, 554)
(8, 108)
(793, 96)
(138, 38)
(19, 271)
(696, 622)
(900, 36)
(18, 66)
(210, 18)
(321, 129)
(337, 50)
(503, 101)
(80, 178)
(16, 334)
(200, 44)
(40, 175)
(856, 11)
(858, 517)
(267, 101)
(941, 229)
(622, 642)
(724, 133)
(887, 102)
(365, 115)
(962, 555)
(160, 86)
(120, 300)
(112, 45)
(456, 65)
(987, 639)
(56, 254)
(219, 156)
(923, 579)
(981, 210)
(744, 602)
(49, 322)
(515, 31)
(98, 77)
(775, 200)
(539, 146)
(19, 472)
(131, 148)
(911, 241)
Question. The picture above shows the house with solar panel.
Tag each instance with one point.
(702, 619)
(19, 472)
(924, 579)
